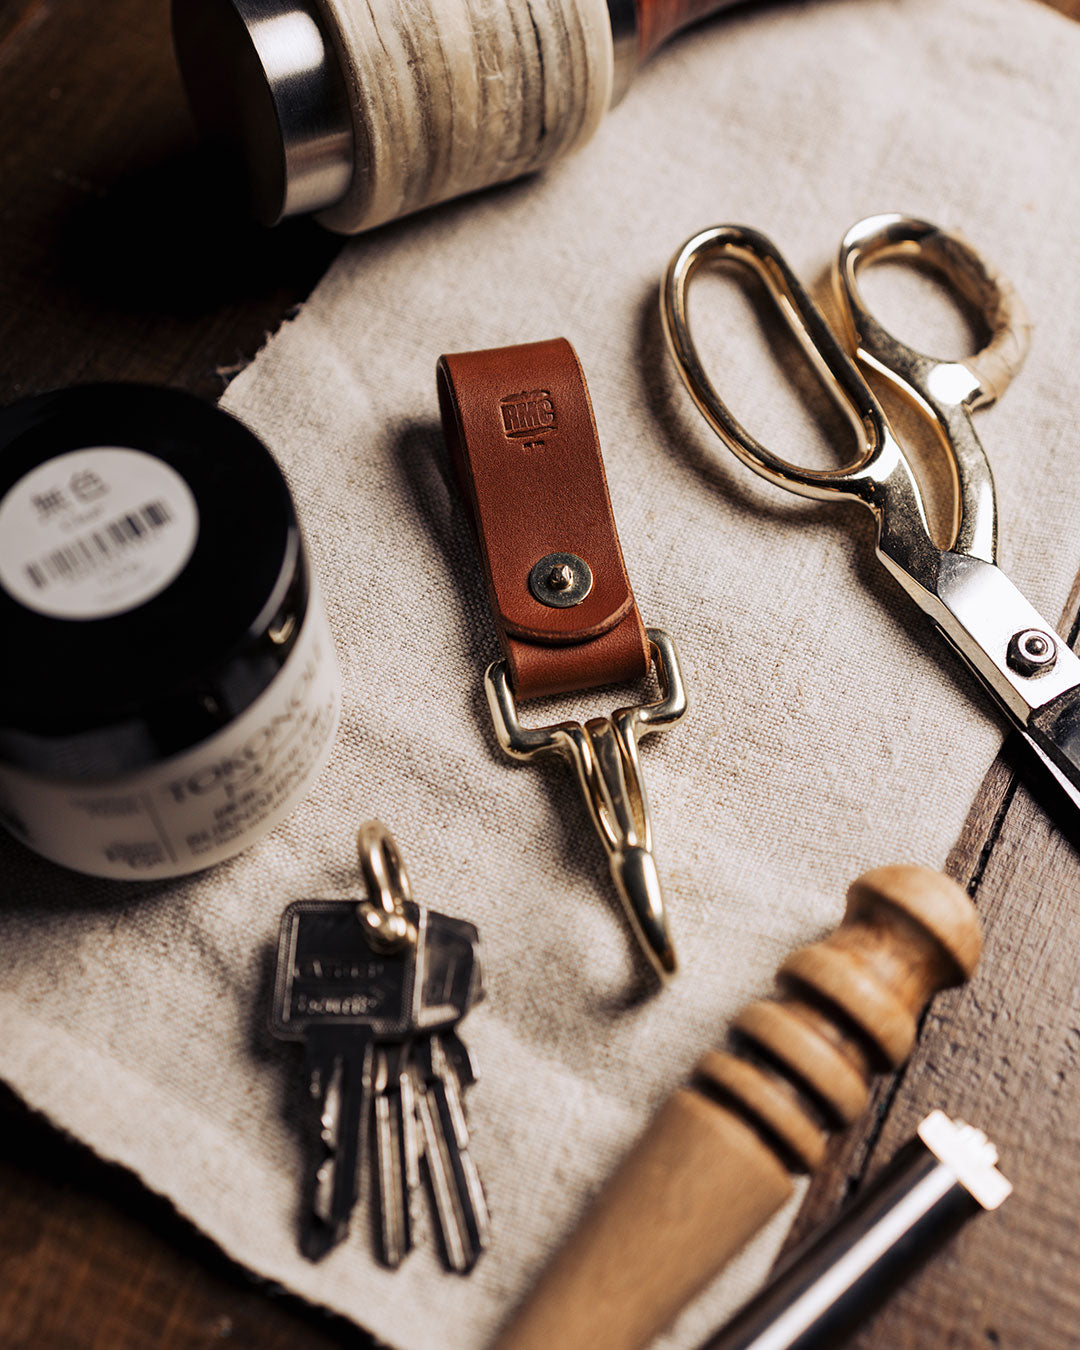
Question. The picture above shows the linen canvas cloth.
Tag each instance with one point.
(830, 732)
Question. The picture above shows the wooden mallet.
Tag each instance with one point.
(717, 1160)
(366, 110)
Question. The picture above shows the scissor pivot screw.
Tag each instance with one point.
(561, 580)
(1032, 652)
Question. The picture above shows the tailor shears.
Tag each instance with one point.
(1026, 665)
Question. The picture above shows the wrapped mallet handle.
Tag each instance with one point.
(367, 110)
(717, 1160)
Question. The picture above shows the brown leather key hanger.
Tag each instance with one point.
(520, 428)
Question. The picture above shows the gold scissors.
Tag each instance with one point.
(1026, 665)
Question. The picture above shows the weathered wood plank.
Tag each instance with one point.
(90, 1258)
(121, 255)
(1003, 1054)
(850, 1153)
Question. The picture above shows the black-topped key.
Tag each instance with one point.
(396, 1151)
(457, 1194)
(366, 985)
(441, 1066)
(458, 1075)
(343, 997)
(452, 974)
(450, 985)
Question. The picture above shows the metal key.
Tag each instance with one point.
(336, 990)
(460, 1203)
(452, 975)
(358, 981)
(338, 1079)
(396, 1151)
(461, 1075)
(452, 985)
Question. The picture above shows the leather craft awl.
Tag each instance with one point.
(520, 429)
(716, 1162)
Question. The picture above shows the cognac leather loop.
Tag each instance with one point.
(520, 428)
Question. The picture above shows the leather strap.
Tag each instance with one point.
(520, 428)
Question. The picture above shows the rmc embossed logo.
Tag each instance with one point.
(526, 414)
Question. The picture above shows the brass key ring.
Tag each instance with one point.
(388, 888)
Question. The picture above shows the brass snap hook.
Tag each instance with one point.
(604, 755)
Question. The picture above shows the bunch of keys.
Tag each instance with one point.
(375, 989)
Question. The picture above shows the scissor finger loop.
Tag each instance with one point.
(946, 391)
(735, 243)
(974, 381)
(880, 476)
(1029, 668)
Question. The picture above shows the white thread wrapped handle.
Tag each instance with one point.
(449, 96)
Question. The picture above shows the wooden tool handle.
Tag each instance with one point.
(715, 1163)
(659, 20)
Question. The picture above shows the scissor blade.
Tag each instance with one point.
(1054, 734)
(1070, 789)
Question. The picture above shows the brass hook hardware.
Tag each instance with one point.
(604, 755)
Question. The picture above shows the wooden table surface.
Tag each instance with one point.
(121, 257)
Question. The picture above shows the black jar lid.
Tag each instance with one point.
(110, 662)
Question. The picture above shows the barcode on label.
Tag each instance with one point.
(90, 551)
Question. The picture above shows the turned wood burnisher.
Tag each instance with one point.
(366, 110)
(717, 1160)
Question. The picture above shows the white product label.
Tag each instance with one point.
(95, 532)
(204, 805)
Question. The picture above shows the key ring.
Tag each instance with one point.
(376, 988)
(387, 882)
